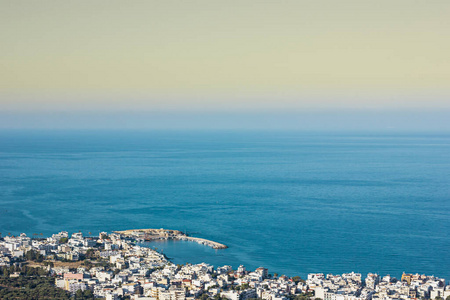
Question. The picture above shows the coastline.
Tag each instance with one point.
(113, 266)
(151, 234)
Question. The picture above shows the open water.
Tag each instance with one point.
(289, 201)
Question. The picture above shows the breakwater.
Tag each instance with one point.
(168, 234)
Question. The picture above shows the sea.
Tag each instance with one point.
(293, 202)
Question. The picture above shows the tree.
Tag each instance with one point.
(34, 256)
(90, 253)
(79, 294)
(204, 296)
(49, 263)
(36, 285)
(63, 240)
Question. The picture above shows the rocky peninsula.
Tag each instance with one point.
(167, 234)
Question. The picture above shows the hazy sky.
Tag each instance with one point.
(209, 57)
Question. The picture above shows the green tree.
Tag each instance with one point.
(34, 256)
(90, 253)
(204, 296)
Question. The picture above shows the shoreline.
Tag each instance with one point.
(151, 234)
(112, 265)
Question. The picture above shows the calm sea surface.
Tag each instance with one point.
(292, 202)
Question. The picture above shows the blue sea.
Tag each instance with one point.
(294, 202)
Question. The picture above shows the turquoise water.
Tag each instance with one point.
(293, 202)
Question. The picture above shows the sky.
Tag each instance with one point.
(225, 64)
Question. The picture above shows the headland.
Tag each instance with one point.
(151, 234)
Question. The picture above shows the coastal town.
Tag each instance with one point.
(116, 266)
